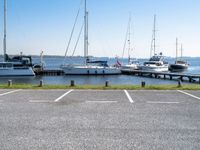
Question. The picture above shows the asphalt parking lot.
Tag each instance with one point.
(100, 120)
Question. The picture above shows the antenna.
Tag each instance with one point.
(4, 39)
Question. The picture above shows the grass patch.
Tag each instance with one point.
(102, 87)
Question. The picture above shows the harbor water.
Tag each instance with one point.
(54, 62)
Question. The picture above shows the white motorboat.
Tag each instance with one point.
(155, 63)
(19, 66)
(89, 67)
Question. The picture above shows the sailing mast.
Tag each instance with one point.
(86, 33)
(129, 39)
(176, 49)
(153, 43)
(4, 39)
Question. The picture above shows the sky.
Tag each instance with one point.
(45, 25)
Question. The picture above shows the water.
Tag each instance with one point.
(54, 62)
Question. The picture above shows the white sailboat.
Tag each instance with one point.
(11, 68)
(90, 67)
(156, 62)
(132, 64)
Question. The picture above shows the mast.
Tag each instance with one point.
(86, 32)
(181, 51)
(129, 38)
(4, 39)
(176, 49)
(154, 36)
(153, 41)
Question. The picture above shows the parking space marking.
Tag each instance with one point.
(59, 98)
(154, 102)
(128, 96)
(101, 101)
(10, 92)
(40, 101)
(189, 94)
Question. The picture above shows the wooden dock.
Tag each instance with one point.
(192, 78)
(50, 72)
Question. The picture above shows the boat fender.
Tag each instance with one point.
(95, 72)
(88, 72)
(103, 71)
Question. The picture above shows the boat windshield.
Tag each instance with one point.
(157, 58)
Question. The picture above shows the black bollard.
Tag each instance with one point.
(41, 83)
(106, 83)
(72, 83)
(9, 83)
(179, 83)
(143, 84)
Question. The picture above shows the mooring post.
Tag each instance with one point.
(9, 83)
(179, 83)
(143, 84)
(41, 83)
(72, 83)
(106, 83)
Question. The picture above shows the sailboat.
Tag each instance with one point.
(89, 67)
(133, 64)
(17, 66)
(180, 65)
(156, 62)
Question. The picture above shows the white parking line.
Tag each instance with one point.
(128, 96)
(101, 101)
(40, 101)
(189, 94)
(59, 98)
(10, 92)
(154, 102)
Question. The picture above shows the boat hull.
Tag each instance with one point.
(129, 67)
(16, 72)
(88, 70)
(155, 68)
(178, 67)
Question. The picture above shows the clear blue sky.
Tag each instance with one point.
(35, 25)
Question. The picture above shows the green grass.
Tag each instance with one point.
(102, 87)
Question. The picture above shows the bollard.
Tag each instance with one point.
(41, 83)
(143, 84)
(9, 83)
(72, 83)
(179, 83)
(106, 83)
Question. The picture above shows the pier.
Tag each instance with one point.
(50, 72)
(192, 78)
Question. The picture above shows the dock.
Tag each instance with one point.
(50, 72)
(184, 77)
